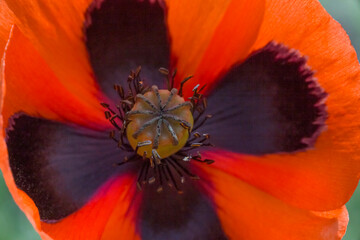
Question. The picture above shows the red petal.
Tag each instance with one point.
(6, 22)
(109, 215)
(207, 39)
(55, 29)
(314, 180)
(32, 87)
(248, 213)
(306, 26)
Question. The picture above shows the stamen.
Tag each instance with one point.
(195, 88)
(197, 135)
(173, 179)
(205, 102)
(156, 156)
(160, 188)
(112, 134)
(140, 176)
(202, 122)
(185, 126)
(151, 162)
(207, 161)
(152, 180)
(196, 144)
(202, 88)
(173, 79)
(166, 176)
(164, 71)
(142, 144)
(185, 170)
(182, 178)
(107, 115)
(137, 71)
(182, 84)
(119, 89)
(105, 105)
(127, 102)
(115, 125)
(146, 172)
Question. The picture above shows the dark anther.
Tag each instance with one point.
(182, 84)
(182, 178)
(164, 71)
(173, 179)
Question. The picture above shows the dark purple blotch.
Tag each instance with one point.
(270, 103)
(59, 166)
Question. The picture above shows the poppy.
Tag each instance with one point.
(268, 133)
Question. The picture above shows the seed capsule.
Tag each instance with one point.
(161, 117)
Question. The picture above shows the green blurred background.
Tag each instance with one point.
(14, 225)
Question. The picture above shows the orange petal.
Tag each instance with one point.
(35, 89)
(106, 214)
(306, 26)
(6, 22)
(248, 213)
(110, 206)
(55, 28)
(333, 167)
(311, 180)
(207, 39)
(109, 215)
(22, 200)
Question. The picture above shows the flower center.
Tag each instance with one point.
(159, 129)
(159, 123)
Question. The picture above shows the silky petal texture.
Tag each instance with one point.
(109, 215)
(270, 103)
(21, 199)
(310, 180)
(197, 33)
(333, 166)
(55, 28)
(248, 213)
(6, 22)
(123, 35)
(170, 215)
(106, 216)
(331, 169)
(20, 96)
(329, 53)
(36, 90)
(61, 166)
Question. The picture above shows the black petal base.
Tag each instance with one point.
(270, 103)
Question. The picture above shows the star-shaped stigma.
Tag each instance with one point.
(160, 119)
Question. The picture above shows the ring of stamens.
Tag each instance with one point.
(171, 171)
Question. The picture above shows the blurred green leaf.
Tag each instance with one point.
(13, 223)
(347, 12)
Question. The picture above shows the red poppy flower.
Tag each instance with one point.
(281, 80)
